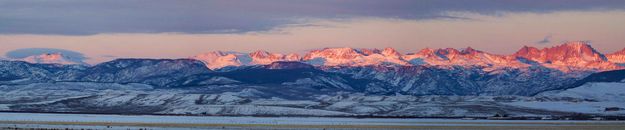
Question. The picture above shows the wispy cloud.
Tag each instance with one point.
(545, 40)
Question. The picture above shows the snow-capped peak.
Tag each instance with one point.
(53, 58)
(218, 59)
(261, 57)
(391, 52)
(568, 53)
(292, 57)
(448, 53)
(577, 54)
(333, 56)
(617, 57)
(426, 51)
(344, 53)
(470, 51)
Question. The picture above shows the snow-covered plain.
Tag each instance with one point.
(153, 122)
(96, 118)
(590, 98)
(612, 92)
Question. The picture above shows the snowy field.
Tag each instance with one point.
(78, 121)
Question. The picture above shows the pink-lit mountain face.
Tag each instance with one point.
(52, 58)
(353, 57)
(617, 57)
(218, 59)
(571, 56)
(446, 71)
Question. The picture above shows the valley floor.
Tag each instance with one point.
(93, 121)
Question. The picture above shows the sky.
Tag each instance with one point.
(101, 30)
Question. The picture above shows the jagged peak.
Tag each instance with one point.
(617, 57)
(576, 45)
(260, 53)
(340, 52)
(470, 50)
(264, 54)
(337, 49)
(526, 49)
(576, 54)
(527, 52)
(573, 46)
(292, 57)
(390, 52)
(426, 51)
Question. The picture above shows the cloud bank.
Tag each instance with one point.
(82, 17)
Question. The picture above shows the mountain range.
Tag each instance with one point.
(445, 71)
(322, 80)
(570, 56)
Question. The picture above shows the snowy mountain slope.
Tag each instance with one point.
(603, 86)
(600, 93)
(411, 80)
(458, 80)
(299, 74)
(158, 72)
(20, 72)
(144, 99)
(164, 73)
(612, 92)
(593, 98)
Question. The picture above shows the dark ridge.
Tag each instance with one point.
(606, 76)
(288, 65)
